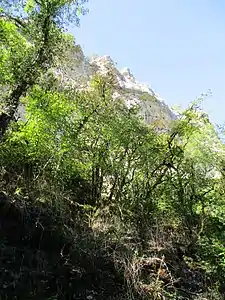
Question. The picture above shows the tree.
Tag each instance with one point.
(41, 23)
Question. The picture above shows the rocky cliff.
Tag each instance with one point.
(78, 70)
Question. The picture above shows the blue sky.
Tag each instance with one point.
(177, 46)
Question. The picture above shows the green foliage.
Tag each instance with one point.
(34, 35)
(81, 156)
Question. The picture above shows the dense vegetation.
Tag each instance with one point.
(94, 203)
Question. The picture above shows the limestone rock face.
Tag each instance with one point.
(152, 108)
(77, 70)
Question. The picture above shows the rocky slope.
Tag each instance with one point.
(78, 70)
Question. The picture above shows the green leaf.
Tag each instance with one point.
(30, 4)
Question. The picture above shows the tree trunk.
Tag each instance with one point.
(28, 79)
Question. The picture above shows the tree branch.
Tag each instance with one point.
(18, 22)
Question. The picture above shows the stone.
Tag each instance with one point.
(77, 70)
(152, 108)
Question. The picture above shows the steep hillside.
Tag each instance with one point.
(95, 204)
